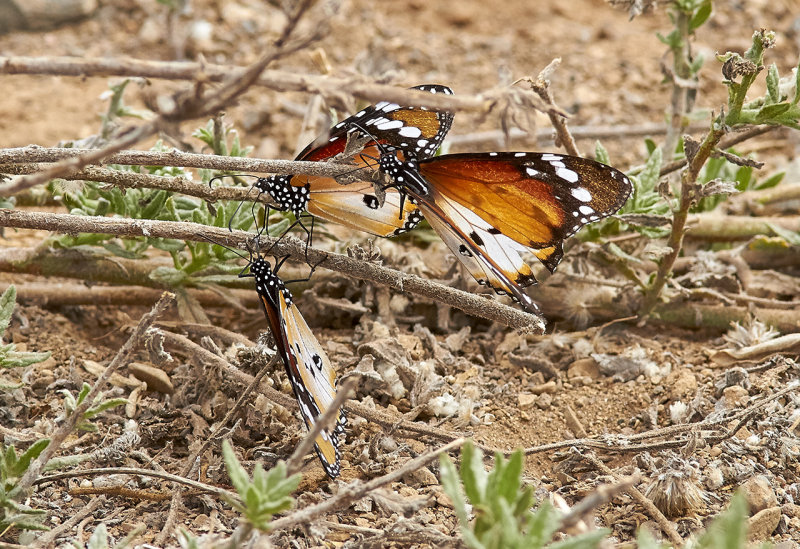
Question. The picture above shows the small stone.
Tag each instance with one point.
(526, 400)
(544, 401)
(715, 451)
(549, 387)
(791, 510)
(584, 367)
(761, 525)
(421, 477)
(682, 384)
(759, 494)
(156, 378)
(735, 396)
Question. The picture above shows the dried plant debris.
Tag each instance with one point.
(630, 364)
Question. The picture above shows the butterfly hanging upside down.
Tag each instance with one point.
(489, 207)
(310, 371)
(413, 132)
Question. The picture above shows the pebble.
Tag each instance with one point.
(584, 367)
(544, 401)
(761, 525)
(526, 400)
(156, 378)
(759, 494)
(735, 396)
(682, 384)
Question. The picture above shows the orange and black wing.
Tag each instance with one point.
(414, 132)
(491, 207)
(310, 372)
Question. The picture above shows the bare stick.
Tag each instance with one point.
(541, 85)
(603, 494)
(69, 423)
(328, 86)
(356, 490)
(205, 488)
(47, 539)
(469, 303)
(327, 419)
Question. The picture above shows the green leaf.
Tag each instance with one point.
(236, 472)
(771, 181)
(449, 479)
(99, 539)
(473, 475)
(729, 529)
(773, 84)
(700, 16)
(791, 237)
(542, 525)
(7, 302)
(770, 113)
(103, 406)
(16, 359)
(601, 154)
(508, 484)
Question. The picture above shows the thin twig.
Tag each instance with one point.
(193, 462)
(470, 303)
(326, 85)
(48, 538)
(666, 526)
(541, 85)
(603, 494)
(205, 488)
(326, 420)
(68, 426)
(356, 490)
(34, 155)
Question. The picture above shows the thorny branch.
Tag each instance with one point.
(185, 105)
(469, 303)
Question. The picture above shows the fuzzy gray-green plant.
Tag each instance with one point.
(12, 468)
(267, 493)
(99, 406)
(9, 356)
(501, 506)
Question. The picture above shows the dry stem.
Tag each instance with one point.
(356, 490)
(470, 303)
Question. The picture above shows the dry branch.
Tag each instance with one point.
(469, 303)
(356, 490)
(277, 80)
(188, 104)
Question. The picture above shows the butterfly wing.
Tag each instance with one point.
(489, 207)
(412, 131)
(310, 372)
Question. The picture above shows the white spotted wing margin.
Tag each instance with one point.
(310, 371)
(489, 208)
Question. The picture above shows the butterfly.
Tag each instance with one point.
(410, 132)
(310, 371)
(490, 207)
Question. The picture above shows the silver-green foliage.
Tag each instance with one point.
(267, 493)
(501, 505)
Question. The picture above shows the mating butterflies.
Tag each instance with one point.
(310, 372)
(410, 132)
(489, 207)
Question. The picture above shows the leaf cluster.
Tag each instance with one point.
(12, 468)
(99, 406)
(9, 356)
(267, 493)
(501, 505)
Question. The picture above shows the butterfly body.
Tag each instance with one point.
(490, 207)
(310, 372)
(414, 132)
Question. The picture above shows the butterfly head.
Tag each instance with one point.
(290, 198)
(267, 282)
